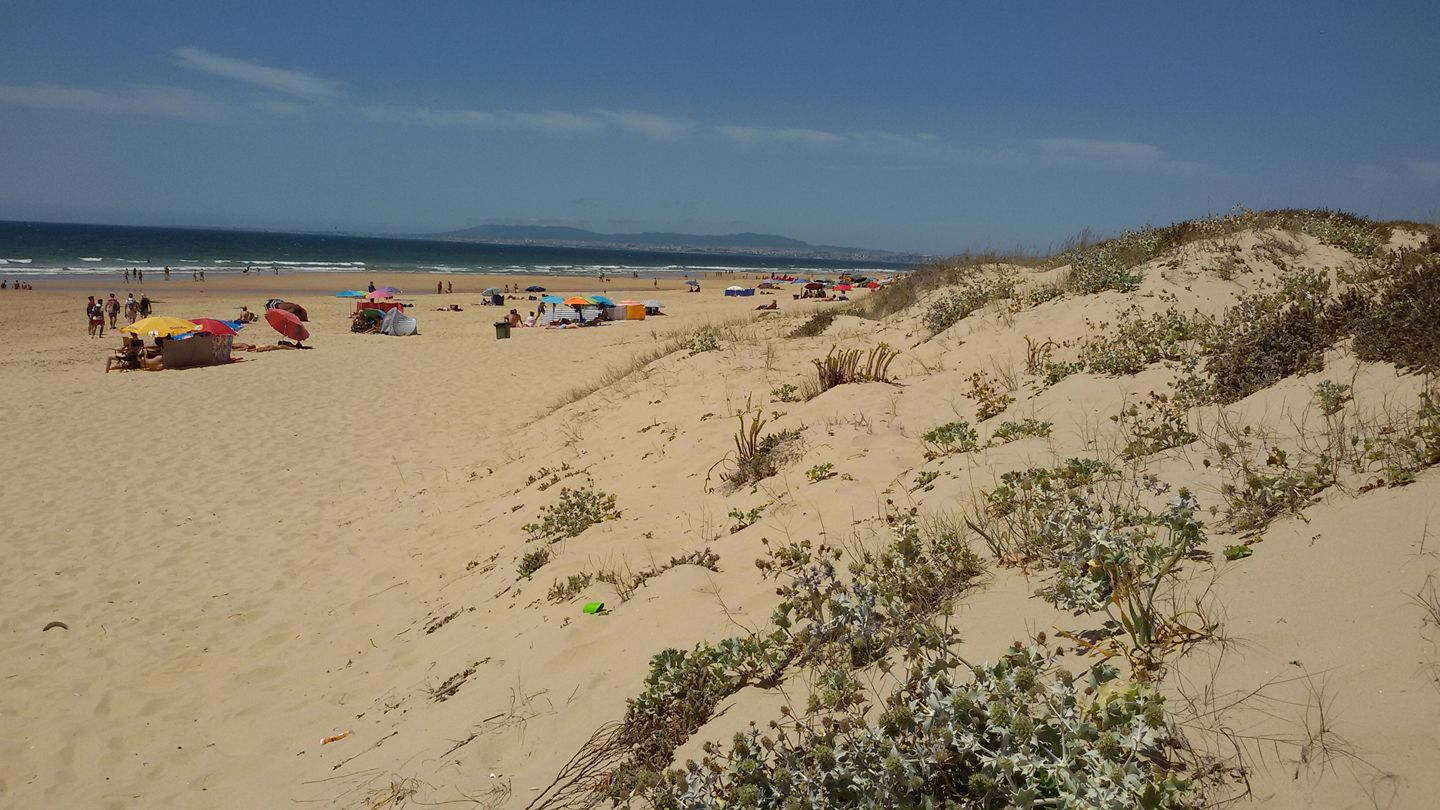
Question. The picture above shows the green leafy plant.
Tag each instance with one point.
(786, 393)
(971, 294)
(840, 367)
(991, 400)
(1135, 341)
(570, 588)
(702, 340)
(1257, 495)
(820, 472)
(1332, 397)
(758, 455)
(745, 519)
(1158, 423)
(576, 511)
(951, 437)
(1011, 431)
(925, 479)
(533, 561)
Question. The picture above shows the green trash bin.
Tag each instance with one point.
(502, 330)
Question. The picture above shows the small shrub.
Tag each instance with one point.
(758, 456)
(786, 393)
(570, 588)
(533, 561)
(952, 437)
(1011, 431)
(1332, 397)
(820, 472)
(815, 325)
(991, 400)
(745, 519)
(1159, 423)
(843, 367)
(1400, 452)
(1401, 328)
(576, 511)
(702, 340)
(973, 293)
(925, 479)
(1269, 336)
(1136, 341)
(1045, 292)
(1055, 372)
(1257, 496)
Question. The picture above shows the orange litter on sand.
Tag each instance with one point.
(336, 738)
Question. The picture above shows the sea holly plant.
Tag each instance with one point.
(951, 437)
(1023, 732)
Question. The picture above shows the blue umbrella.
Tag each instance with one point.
(693, 283)
(552, 299)
(534, 288)
(351, 294)
(603, 300)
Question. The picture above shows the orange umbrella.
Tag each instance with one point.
(578, 301)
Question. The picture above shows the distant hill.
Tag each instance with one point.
(557, 233)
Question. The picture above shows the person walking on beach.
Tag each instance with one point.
(127, 275)
(97, 318)
(139, 274)
(370, 287)
(438, 288)
(112, 308)
(449, 287)
(90, 310)
(202, 275)
(131, 307)
(144, 305)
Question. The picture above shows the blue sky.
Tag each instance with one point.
(936, 127)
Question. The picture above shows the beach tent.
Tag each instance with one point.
(396, 322)
(693, 283)
(739, 291)
(492, 291)
(653, 307)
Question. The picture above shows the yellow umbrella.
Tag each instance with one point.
(159, 326)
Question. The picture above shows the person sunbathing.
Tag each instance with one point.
(127, 356)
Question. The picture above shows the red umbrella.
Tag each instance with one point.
(873, 285)
(210, 326)
(287, 324)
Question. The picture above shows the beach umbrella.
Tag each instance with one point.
(734, 288)
(628, 303)
(693, 283)
(844, 287)
(492, 291)
(294, 309)
(551, 299)
(350, 294)
(603, 300)
(379, 294)
(654, 304)
(534, 288)
(287, 324)
(874, 285)
(814, 285)
(159, 326)
(210, 326)
(389, 289)
(578, 301)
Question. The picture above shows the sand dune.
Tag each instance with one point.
(251, 559)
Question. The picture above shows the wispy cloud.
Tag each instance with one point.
(291, 82)
(751, 136)
(557, 122)
(647, 125)
(148, 99)
(427, 117)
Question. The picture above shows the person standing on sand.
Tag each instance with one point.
(167, 274)
(439, 288)
(144, 305)
(370, 287)
(127, 275)
(139, 274)
(112, 308)
(90, 314)
(202, 275)
(449, 287)
(131, 307)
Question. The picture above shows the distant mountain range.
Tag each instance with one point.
(749, 243)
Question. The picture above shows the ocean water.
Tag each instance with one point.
(42, 248)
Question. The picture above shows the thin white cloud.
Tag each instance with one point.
(557, 122)
(1427, 170)
(751, 136)
(148, 99)
(425, 116)
(291, 82)
(647, 125)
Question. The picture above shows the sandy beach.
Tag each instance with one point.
(253, 559)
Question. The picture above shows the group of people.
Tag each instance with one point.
(98, 310)
(5, 285)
